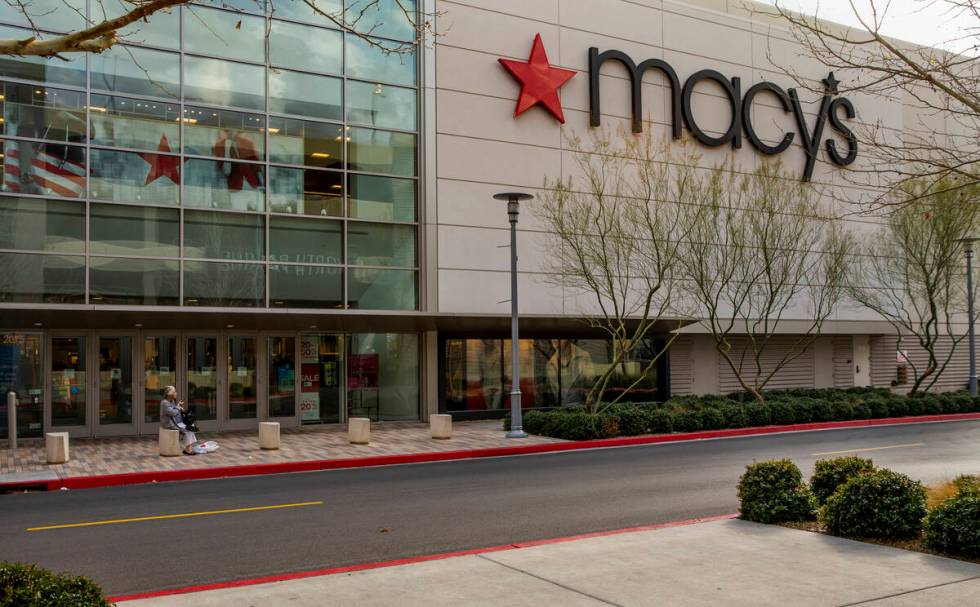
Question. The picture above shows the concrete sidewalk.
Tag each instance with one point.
(728, 562)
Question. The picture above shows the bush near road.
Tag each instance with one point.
(784, 407)
(774, 492)
(24, 585)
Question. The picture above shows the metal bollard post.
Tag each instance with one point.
(11, 420)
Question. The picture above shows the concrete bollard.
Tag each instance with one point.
(56, 447)
(169, 443)
(269, 435)
(359, 430)
(441, 426)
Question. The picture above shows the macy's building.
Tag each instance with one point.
(303, 230)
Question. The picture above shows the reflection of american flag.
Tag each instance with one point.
(57, 174)
(11, 166)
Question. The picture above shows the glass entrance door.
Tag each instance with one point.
(201, 394)
(242, 392)
(115, 385)
(321, 388)
(69, 390)
(159, 371)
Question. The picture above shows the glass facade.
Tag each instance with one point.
(230, 159)
(554, 373)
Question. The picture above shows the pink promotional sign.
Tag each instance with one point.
(362, 371)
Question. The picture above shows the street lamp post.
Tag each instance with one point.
(968, 243)
(513, 207)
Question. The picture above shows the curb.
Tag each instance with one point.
(409, 560)
(137, 478)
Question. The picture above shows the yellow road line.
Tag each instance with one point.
(870, 449)
(170, 516)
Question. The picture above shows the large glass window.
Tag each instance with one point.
(383, 376)
(381, 198)
(138, 177)
(134, 123)
(378, 244)
(224, 133)
(55, 15)
(48, 169)
(136, 71)
(124, 230)
(222, 184)
(32, 224)
(380, 151)
(42, 112)
(224, 235)
(224, 34)
(301, 11)
(234, 285)
(388, 18)
(317, 144)
(377, 289)
(21, 372)
(306, 48)
(67, 70)
(380, 105)
(306, 192)
(134, 282)
(33, 278)
(305, 95)
(310, 241)
(377, 61)
(306, 287)
(220, 82)
(163, 29)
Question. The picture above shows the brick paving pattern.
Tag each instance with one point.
(91, 456)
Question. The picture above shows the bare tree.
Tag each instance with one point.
(942, 88)
(616, 237)
(108, 17)
(911, 272)
(761, 251)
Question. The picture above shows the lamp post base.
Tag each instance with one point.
(972, 386)
(517, 434)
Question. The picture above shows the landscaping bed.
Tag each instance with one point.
(849, 497)
(783, 407)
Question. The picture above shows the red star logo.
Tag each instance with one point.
(539, 81)
(162, 166)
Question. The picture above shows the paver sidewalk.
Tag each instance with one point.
(730, 562)
(140, 454)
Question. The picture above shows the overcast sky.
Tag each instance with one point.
(920, 21)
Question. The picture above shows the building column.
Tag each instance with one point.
(430, 375)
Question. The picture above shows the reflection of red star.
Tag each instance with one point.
(539, 81)
(162, 166)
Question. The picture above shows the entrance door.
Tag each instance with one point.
(159, 371)
(201, 392)
(242, 388)
(68, 364)
(321, 389)
(115, 385)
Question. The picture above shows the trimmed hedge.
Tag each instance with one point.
(693, 413)
(24, 585)
(953, 527)
(880, 504)
(829, 474)
(774, 492)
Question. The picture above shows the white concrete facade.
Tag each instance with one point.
(482, 149)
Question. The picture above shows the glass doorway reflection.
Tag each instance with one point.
(68, 394)
(115, 380)
(202, 377)
(242, 393)
(321, 400)
(160, 369)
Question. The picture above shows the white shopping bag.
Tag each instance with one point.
(206, 447)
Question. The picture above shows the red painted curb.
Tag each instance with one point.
(409, 560)
(136, 478)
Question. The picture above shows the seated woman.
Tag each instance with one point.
(170, 418)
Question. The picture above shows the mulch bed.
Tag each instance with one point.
(914, 544)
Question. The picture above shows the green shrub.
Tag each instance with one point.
(23, 585)
(803, 409)
(975, 404)
(821, 411)
(841, 410)
(712, 419)
(860, 411)
(534, 421)
(898, 406)
(967, 483)
(880, 504)
(661, 421)
(953, 527)
(774, 492)
(632, 420)
(782, 413)
(829, 474)
(878, 406)
(574, 425)
(734, 416)
(930, 405)
(758, 414)
(687, 421)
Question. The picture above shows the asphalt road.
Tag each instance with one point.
(375, 514)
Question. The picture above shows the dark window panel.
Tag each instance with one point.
(282, 376)
(301, 240)
(377, 289)
(135, 123)
(224, 83)
(32, 278)
(41, 112)
(33, 224)
(381, 105)
(305, 287)
(369, 62)
(317, 144)
(377, 244)
(303, 47)
(224, 34)
(120, 281)
(306, 192)
(305, 95)
(233, 285)
(381, 198)
(238, 236)
(136, 71)
(386, 152)
(124, 230)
